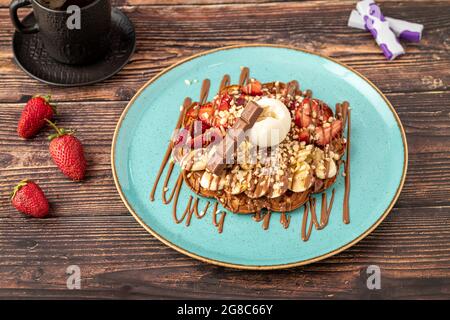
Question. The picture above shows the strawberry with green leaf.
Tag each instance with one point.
(67, 153)
(28, 198)
(33, 116)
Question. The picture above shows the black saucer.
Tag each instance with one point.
(30, 55)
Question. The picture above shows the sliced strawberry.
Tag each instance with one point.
(206, 115)
(326, 112)
(314, 104)
(181, 137)
(191, 116)
(253, 88)
(223, 102)
(314, 110)
(292, 104)
(177, 140)
(212, 135)
(336, 128)
(241, 100)
(192, 112)
(304, 135)
(321, 110)
(208, 137)
(197, 142)
(325, 134)
(216, 123)
(303, 114)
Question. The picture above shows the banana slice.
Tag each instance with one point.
(303, 154)
(212, 182)
(257, 186)
(326, 169)
(302, 178)
(273, 124)
(280, 184)
(238, 182)
(179, 152)
(246, 156)
(195, 160)
(317, 155)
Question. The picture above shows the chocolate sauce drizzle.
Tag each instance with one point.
(346, 209)
(244, 77)
(225, 82)
(309, 219)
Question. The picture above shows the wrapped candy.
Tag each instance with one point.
(377, 24)
(403, 29)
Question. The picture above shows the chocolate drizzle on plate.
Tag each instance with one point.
(225, 82)
(310, 218)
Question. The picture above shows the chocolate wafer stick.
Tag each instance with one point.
(226, 148)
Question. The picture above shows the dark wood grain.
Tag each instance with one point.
(90, 227)
(168, 33)
(119, 259)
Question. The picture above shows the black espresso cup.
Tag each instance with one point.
(75, 34)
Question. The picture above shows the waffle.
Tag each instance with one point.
(255, 194)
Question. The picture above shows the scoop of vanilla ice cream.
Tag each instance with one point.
(273, 124)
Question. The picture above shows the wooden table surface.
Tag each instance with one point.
(90, 227)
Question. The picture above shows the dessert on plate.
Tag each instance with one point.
(258, 146)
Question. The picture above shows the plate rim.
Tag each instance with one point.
(244, 266)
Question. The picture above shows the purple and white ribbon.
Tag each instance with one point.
(378, 26)
(405, 30)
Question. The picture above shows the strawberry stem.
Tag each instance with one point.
(53, 125)
(59, 131)
(21, 184)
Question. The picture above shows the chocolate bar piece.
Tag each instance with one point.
(216, 164)
(237, 132)
(225, 151)
(251, 113)
(228, 147)
(224, 154)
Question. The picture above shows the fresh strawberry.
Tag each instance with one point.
(325, 134)
(303, 114)
(28, 198)
(253, 88)
(33, 116)
(206, 114)
(67, 153)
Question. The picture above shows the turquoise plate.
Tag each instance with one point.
(378, 153)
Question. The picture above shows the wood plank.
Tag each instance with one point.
(122, 3)
(5, 3)
(119, 259)
(167, 34)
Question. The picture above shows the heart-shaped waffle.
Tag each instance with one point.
(307, 159)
